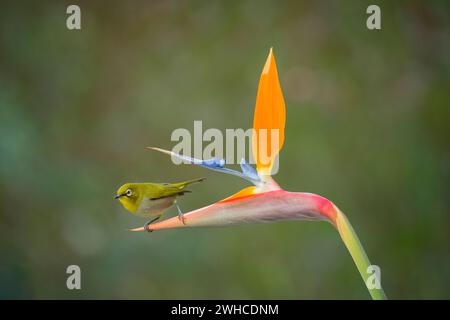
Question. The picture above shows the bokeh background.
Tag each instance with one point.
(368, 116)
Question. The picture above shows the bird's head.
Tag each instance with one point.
(129, 195)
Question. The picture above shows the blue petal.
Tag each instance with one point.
(216, 164)
(248, 170)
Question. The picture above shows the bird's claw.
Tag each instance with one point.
(181, 215)
(148, 223)
(182, 218)
(146, 227)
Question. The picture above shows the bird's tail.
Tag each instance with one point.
(182, 185)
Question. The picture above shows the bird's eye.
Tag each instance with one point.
(129, 193)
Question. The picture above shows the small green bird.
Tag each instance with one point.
(151, 200)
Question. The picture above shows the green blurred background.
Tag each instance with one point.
(368, 116)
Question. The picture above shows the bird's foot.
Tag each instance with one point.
(147, 224)
(181, 215)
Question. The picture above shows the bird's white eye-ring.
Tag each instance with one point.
(128, 193)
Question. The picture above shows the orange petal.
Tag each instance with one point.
(269, 119)
(240, 194)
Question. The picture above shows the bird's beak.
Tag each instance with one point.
(118, 196)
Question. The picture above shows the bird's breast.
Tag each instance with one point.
(149, 207)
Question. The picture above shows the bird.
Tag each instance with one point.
(151, 200)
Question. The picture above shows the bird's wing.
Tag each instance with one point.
(164, 190)
(179, 193)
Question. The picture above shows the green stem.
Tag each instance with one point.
(357, 252)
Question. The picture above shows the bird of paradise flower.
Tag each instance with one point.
(266, 201)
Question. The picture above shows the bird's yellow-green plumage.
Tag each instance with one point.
(151, 199)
